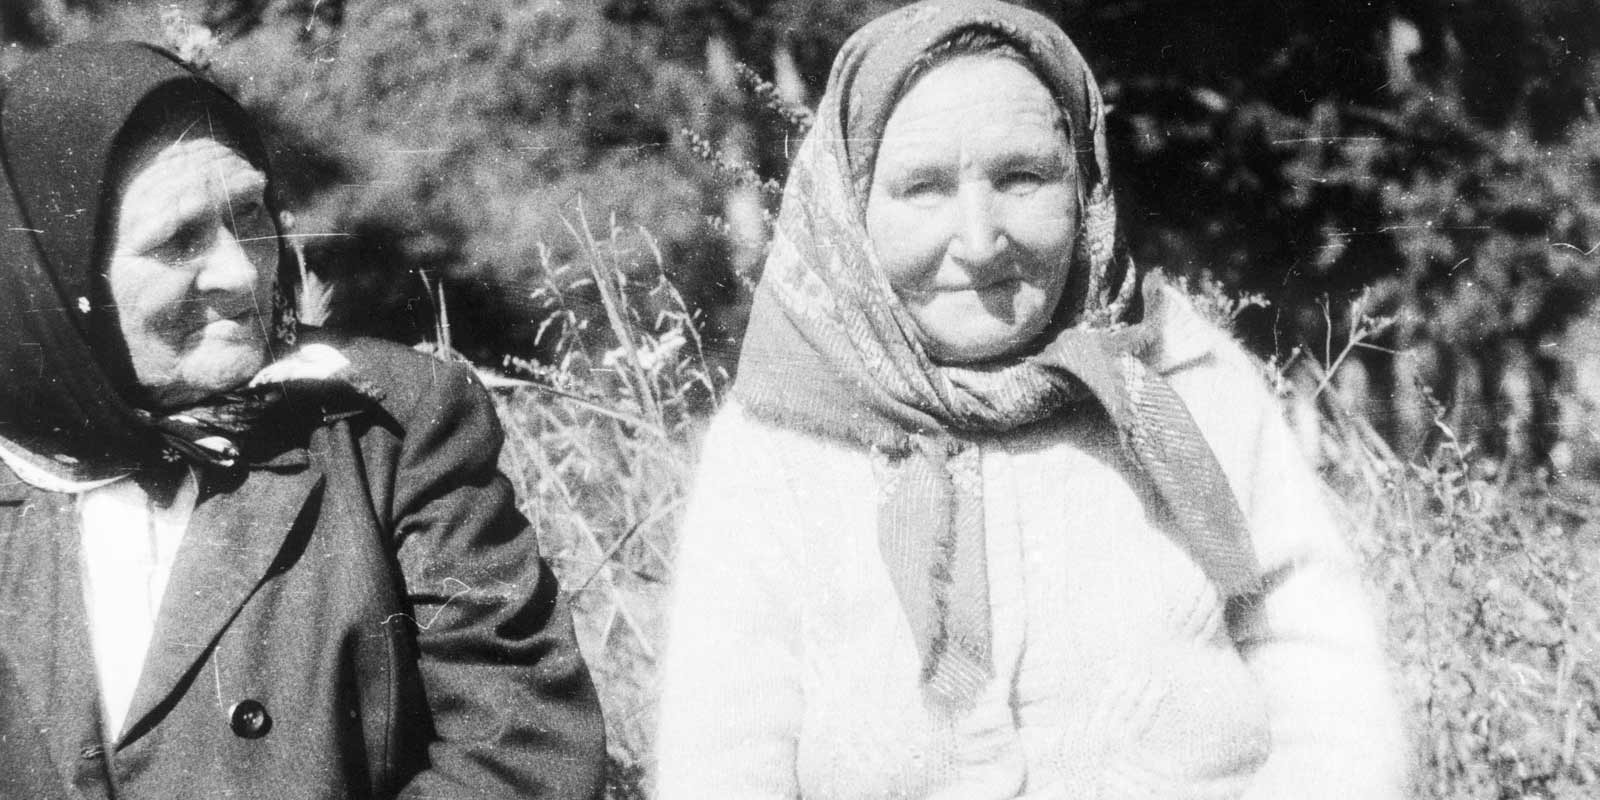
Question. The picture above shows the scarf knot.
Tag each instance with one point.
(248, 427)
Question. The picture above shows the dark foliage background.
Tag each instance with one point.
(1412, 187)
(1445, 153)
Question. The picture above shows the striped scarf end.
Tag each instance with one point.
(955, 682)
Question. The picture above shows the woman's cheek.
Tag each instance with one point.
(1046, 222)
(906, 239)
(148, 293)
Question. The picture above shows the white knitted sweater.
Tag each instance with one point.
(791, 670)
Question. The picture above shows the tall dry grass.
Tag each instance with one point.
(1489, 578)
(1491, 583)
(600, 444)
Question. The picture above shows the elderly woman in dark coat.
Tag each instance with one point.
(983, 520)
(234, 563)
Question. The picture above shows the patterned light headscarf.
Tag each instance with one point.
(831, 350)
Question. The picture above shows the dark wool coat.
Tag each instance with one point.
(365, 616)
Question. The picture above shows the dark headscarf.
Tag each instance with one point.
(832, 351)
(70, 123)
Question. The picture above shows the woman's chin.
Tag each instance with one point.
(219, 367)
(970, 333)
(973, 344)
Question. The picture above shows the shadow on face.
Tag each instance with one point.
(973, 208)
(191, 269)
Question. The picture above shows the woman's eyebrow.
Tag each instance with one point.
(1052, 156)
(915, 166)
(243, 182)
(169, 207)
(154, 225)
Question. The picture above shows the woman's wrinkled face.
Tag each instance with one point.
(973, 209)
(191, 270)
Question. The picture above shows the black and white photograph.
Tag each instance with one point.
(800, 399)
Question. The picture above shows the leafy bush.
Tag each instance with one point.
(1439, 162)
(1446, 155)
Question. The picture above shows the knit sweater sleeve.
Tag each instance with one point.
(1313, 642)
(730, 698)
(1311, 636)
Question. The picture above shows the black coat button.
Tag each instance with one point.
(249, 719)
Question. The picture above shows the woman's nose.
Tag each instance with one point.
(227, 267)
(978, 238)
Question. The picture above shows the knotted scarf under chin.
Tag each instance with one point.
(930, 490)
(243, 428)
(928, 466)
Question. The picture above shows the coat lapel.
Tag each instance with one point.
(45, 640)
(233, 539)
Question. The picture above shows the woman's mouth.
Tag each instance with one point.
(240, 325)
(977, 287)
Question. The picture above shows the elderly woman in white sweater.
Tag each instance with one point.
(983, 520)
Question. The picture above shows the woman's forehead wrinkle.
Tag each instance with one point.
(183, 181)
(235, 181)
(206, 158)
(154, 202)
(1019, 118)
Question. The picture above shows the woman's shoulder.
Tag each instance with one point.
(403, 381)
(744, 454)
(769, 494)
(1203, 361)
(1224, 387)
(735, 429)
(734, 426)
(1189, 338)
(413, 418)
(372, 352)
(394, 366)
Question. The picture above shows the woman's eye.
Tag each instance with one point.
(247, 217)
(249, 210)
(923, 190)
(1022, 180)
(186, 243)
